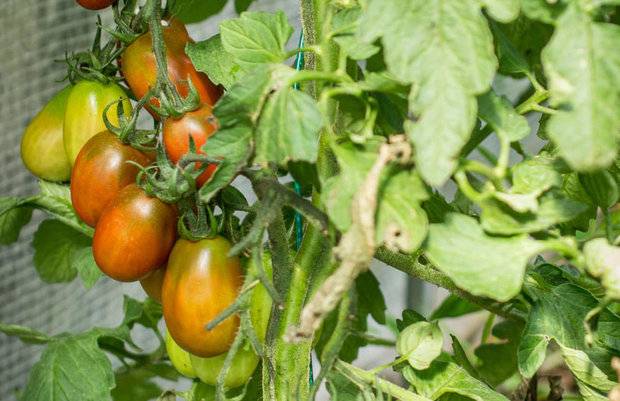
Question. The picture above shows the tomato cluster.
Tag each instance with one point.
(135, 235)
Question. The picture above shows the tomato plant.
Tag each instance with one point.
(42, 146)
(83, 115)
(197, 125)
(201, 281)
(138, 65)
(102, 168)
(131, 223)
(469, 145)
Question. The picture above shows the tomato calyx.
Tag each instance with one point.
(96, 64)
(171, 103)
(126, 130)
(197, 221)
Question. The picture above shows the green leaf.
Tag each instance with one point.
(601, 188)
(55, 245)
(288, 128)
(453, 306)
(234, 146)
(242, 5)
(446, 377)
(543, 10)
(71, 368)
(497, 361)
(370, 299)
(602, 261)
(511, 60)
(421, 343)
(84, 262)
(135, 385)
(25, 334)
(558, 314)
(13, 217)
(582, 63)
(499, 114)
(553, 208)
(478, 263)
(55, 199)
(210, 57)
(340, 388)
(147, 313)
(503, 10)
(409, 317)
(585, 370)
(256, 37)
(346, 23)
(446, 48)
(398, 209)
(191, 11)
(535, 175)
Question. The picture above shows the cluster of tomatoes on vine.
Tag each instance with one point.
(87, 134)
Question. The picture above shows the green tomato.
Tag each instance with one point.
(179, 358)
(243, 365)
(42, 147)
(84, 113)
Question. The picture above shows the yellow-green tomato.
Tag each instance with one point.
(243, 365)
(179, 358)
(84, 113)
(42, 148)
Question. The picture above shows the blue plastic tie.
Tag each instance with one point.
(299, 65)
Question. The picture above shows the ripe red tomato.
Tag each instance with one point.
(201, 281)
(134, 235)
(101, 170)
(199, 125)
(95, 4)
(139, 67)
(152, 284)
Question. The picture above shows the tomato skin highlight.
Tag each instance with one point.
(42, 145)
(179, 358)
(84, 113)
(199, 124)
(95, 4)
(134, 235)
(100, 171)
(139, 67)
(200, 282)
(152, 284)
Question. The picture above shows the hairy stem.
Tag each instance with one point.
(410, 265)
(365, 378)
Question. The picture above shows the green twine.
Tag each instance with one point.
(299, 64)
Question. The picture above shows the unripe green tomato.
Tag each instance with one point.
(42, 147)
(84, 113)
(179, 358)
(243, 366)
